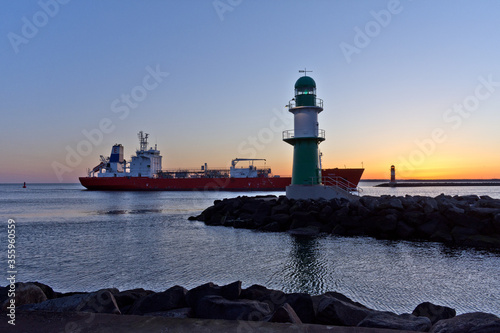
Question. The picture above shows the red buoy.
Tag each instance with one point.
(24, 186)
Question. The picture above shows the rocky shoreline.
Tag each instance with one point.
(250, 305)
(459, 220)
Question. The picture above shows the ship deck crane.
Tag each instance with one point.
(236, 160)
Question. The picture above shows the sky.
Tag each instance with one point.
(410, 83)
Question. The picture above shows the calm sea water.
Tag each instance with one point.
(78, 240)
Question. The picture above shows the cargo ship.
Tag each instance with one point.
(144, 173)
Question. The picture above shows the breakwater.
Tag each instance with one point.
(249, 305)
(459, 220)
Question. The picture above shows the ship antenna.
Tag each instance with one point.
(304, 71)
(143, 140)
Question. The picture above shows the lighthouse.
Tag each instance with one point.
(393, 176)
(305, 139)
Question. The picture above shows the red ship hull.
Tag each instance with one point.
(184, 184)
(204, 184)
(347, 178)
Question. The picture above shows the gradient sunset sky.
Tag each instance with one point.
(410, 83)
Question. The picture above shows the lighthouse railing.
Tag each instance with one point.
(290, 134)
(292, 103)
(340, 183)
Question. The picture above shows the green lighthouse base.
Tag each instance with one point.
(316, 192)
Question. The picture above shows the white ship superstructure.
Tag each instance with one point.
(146, 162)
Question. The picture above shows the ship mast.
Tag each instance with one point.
(143, 141)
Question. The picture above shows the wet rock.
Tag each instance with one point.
(25, 293)
(62, 304)
(427, 229)
(454, 210)
(483, 212)
(217, 307)
(430, 205)
(302, 219)
(460, 234)
(434, 312)
(394, 203)
(126, 299)
(273, 298)
(47, 290)
(325, 213)
(285, 314)
(334, 311)
(393, 321)
(332, 294)
(172, 298)
(470, 199)
(194, 295)
(280, 209)
(477, 322)
(101, 301)
(302, 305)
(283, 221)
(262, 212)
(496, 222)
(488, 202)
(369, 202)
(251, 206)
(415, 218)
(231, 291)
(388, 224)
(216, 219)
(404, 231)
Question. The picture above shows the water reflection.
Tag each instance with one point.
(306, 270)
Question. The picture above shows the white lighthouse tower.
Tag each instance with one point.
(393, 176)
(305, 138)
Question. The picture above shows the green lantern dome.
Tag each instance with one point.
(305, 81)
(305, 91)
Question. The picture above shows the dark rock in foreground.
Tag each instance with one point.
(255, 303)
(458, 220)
(434, 312)
(477, 322)
(393, 321)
